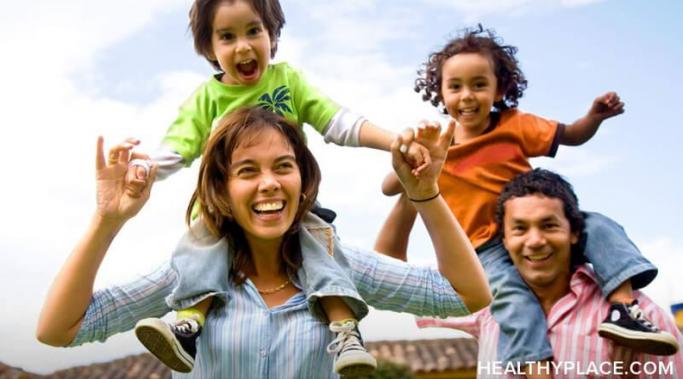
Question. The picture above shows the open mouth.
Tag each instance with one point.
(269, 207)
(248, 69)
(468, 112)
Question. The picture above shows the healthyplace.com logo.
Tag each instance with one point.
(581, 369)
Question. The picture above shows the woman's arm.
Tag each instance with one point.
(71, 292)
(456, 258)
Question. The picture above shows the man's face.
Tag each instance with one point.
(538, 236)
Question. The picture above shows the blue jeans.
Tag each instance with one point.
(202, 263)
(523, 327)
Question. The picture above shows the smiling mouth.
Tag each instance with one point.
(269, 207)
(538, 257)
(468, 111)
(247, 68)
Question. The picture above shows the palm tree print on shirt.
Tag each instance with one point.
(277, 102)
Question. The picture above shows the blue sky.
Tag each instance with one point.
(77, 69)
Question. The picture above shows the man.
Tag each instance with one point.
(541, 224)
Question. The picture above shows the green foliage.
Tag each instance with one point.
(386, 370)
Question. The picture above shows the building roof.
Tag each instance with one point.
(438, 355)
(452, 354)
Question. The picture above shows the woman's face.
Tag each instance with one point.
(264, 186)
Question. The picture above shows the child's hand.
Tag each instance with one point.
(414, 153)
(138, 170)
(606, 106)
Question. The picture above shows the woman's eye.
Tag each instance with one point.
(227, 36)
(287, 166)
(245, 171)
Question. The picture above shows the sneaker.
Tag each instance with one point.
(352, 358)
(626, 325)
(174, 344)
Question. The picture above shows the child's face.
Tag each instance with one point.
(469, 89)
(240, 43)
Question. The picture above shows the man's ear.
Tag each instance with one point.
(574, 239)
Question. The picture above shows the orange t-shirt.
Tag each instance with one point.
(476, 171)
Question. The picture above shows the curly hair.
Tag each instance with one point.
(510, 79)
(201, 23)
(211, 195)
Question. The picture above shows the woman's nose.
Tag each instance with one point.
(268, 183)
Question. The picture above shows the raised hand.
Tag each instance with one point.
(424, 185)
(114, 200)
(606, 106)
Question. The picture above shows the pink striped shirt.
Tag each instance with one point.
(572, 330)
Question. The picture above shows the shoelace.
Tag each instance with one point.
(187, 326)
(347, 338)
(639, 316)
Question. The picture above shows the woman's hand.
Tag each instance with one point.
(425, 185)
(115, 201)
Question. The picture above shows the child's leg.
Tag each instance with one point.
(615, 258)
(201, 263)
(352, 358)
(394, 235)
(523, 327)
(333, 297)
(620, 268)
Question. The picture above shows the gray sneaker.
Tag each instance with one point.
(351, 356)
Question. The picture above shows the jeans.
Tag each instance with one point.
(202, 263)
(523, 327)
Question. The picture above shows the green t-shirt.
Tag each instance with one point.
(282, 89)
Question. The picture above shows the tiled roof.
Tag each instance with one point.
(419, 355)
(450, 354)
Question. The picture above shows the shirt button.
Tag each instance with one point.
(263, 352)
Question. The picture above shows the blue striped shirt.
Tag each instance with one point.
(246, 339)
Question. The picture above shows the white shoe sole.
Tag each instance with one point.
(355, 363)
(157, 337)
(661, 343)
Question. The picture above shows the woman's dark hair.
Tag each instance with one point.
(201, 23)
(510, 79)
(549, 184)
(212, 197)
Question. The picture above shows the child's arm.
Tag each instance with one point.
(375, 137)
(393, 237)
(583, 129)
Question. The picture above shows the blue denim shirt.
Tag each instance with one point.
(245, 339)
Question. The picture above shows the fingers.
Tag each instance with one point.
(136, 176)
(447, 137)
(99, 155)
(121, 152)
(407, 138)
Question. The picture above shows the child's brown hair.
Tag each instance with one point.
(201, 23)
(510, 79)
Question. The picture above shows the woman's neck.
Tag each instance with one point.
(265, 256)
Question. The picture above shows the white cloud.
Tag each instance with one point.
(473, 9)
(667, 255)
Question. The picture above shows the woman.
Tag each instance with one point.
(256, 186)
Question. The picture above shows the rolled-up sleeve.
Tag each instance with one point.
(390, 284)
(118, 308)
